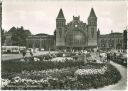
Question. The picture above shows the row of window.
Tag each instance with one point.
(111, 45)
(110, 40)
(39, 43)
(60, 24)
(92, 23)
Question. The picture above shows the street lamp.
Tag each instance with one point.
(33, 44)
(40, 44)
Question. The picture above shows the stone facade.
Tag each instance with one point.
(125, 39)
(41, 41)
(76, 34)
(110, 41)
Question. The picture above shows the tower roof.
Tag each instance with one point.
(92, 13)
(60, 15)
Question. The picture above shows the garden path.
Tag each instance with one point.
(122, 84)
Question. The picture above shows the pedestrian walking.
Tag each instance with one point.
(24, 53)
(108, 57)
(114, 58)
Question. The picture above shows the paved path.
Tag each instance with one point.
(17, 56)
(122, 84)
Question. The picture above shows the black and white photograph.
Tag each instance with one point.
(63, 44)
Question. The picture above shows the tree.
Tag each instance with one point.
(3, 36)
(19, 36)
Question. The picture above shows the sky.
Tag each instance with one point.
(39, 16)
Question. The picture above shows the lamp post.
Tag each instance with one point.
(34, 45)
(40, 44)
(99, 50)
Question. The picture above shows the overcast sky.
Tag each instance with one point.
(39, 16)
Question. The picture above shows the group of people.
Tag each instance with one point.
(111, 55)
(104, 56)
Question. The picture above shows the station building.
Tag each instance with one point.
(41, 41)
(76, 34)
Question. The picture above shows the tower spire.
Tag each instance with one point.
(92, 13)
(60, 20)
(61, 15)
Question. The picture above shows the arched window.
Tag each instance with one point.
(75, 38)
(92, 32)
(118, 40)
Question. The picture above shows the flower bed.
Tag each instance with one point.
(102, 76)
(18, 66)
(45, 79)
(62, 59)
(65, 78)
(91, 71)
(67, 54)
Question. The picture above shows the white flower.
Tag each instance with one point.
(22, 60)
(36, 59)
(17, 79)
(4, 82)
(91, 71)
(61, 59)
